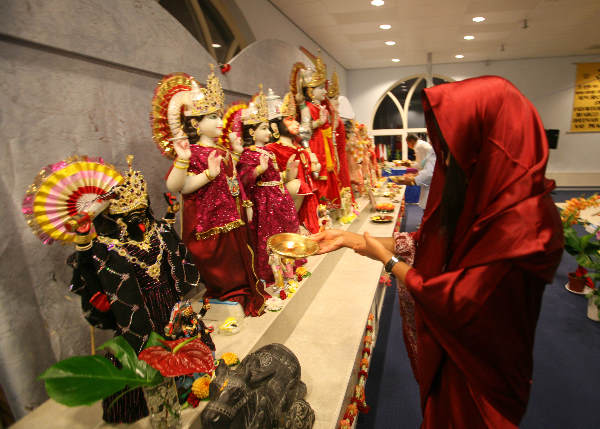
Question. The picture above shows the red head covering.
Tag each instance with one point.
(508, 225)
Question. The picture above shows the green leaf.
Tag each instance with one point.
(123, 351)
(155, 340)
(83, 380)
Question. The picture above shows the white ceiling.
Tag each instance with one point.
(349, 29)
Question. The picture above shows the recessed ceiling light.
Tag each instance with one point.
(459, 56)
(469, 37)
(479, 19)
(396, 60)
(385, 26)
(216, 45)
(377, 2)
(390, 43)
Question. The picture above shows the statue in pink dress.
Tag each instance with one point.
(214, 203)
(274, 209)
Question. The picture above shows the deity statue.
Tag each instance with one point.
(355, 158)
(274, 209)
(339, 135)
(129, 268)
(286, 145)
(316, 127)
(264, 391)
(215, 207)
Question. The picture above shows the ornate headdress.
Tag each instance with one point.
(273, 105)
(232, 123)
(257, 111)
(288, 106)
(318, 75)
(333, 89)
(179, 93)
(130, 195)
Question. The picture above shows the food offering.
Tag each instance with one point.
(385, 207)
(382, 218)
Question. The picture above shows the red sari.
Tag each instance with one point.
(321, 145)
(477, 304)
(340, 143)
(307, 215)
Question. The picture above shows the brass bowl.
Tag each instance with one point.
(292, 245)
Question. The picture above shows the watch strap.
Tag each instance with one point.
(390, 264)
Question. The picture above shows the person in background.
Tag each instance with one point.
(425, 163)
(471, 278)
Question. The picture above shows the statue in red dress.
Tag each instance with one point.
(214, 215)
(274, 209)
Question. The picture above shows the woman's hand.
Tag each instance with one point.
(214, 164)
(182, 147)
(291, 169)
(333, 239)
(373, 249)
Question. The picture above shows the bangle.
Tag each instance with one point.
(180, 166)
(208, 176)
(183, 161)
(80, 248)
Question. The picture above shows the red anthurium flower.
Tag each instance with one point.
(580, 271)
(225, 68)
(183, 357)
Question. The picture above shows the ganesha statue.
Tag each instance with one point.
(263, 392)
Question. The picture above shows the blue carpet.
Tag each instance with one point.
(566, 357)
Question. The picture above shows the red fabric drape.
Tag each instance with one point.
(477, 304)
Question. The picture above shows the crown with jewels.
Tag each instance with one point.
(333, 89)
(288, 105)
(204, 101)
(130, 195)
(257, 111)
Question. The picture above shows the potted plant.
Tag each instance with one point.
(83, 380)
(582, 240)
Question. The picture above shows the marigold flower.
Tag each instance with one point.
(200, 388)
(230, 358)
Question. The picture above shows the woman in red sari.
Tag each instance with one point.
(490, 239)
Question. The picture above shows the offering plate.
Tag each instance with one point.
(292, 245)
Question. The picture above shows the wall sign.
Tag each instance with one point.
(586, 104)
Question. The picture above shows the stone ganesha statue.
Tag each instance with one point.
(263, 392)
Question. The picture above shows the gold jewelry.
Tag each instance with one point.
(180, 167)
(257, 111)
(81, 248)
(183, 161)
(206, 100)
(208, 176)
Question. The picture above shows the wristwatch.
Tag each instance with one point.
(390, 264)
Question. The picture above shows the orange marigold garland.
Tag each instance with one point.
(358, 401)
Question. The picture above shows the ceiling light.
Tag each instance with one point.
(385, 26)
(469, 37)
(390, 43)
(216, 45)
(377, 2)
(396, 60)
(479, 19)
(459, 56)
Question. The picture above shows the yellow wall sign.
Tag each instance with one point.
(586, 105)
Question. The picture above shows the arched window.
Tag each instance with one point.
(217, 24)
(400, 112)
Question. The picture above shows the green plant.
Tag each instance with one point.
(83, 380)
(594, 297)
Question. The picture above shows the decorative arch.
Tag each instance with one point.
(399, 111)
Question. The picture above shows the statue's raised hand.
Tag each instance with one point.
(182, 147)
(214, 163)
(291, 169)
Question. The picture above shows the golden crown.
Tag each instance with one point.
(318, 75)
(334, 86)
(204, 101)
(288, 106)
(131, 194)
(257, 111)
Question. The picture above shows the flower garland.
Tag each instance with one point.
(358, 402)
(570, 213)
